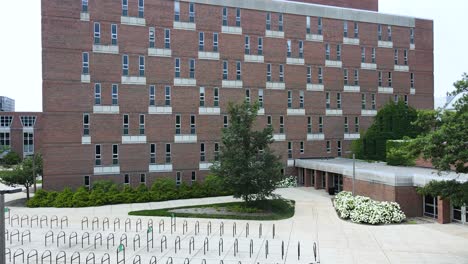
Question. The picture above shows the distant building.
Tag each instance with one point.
(451, 101)
(7, 104)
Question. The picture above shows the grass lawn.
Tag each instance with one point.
(277, 209)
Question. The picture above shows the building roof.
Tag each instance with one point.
(450, 105)
(380, 172)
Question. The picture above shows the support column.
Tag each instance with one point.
(327, 181)
(306, 177)
(2, 229)
(318, 179)
(443, 206)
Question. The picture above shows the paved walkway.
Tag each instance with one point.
(315, 220)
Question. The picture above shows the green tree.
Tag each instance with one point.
(247, 164)
(19, 176)
(11, 158)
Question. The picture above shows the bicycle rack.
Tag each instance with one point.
(161, 223)
(137, 259)
(251, 247)
(13, 218)
(116, 222)
(316, 253)
(221, 262)
(19, 252)
(260, 229)
(90, 257)
(298, 250)
(206, 246)
(236, 247)
(53, 219)
(34, 218)
(173, 224)
(135, 239)
(149, 237)
(149, 223)
(153, 260)
(84, 220)
(95, 221)
(26, 233)
(43, 219)
(59, 236)
(234, 229)
(274, 231)
(123, 237)
(220, 246)
(63, 220)
(97, 237)
(163, 240)
(266, 249)
(8, 253)
(46, 254)
(49, 234)
(104, 223)
(6, 234)
(14, 233)
(105, 258)
(247, 229)
(177, 242)
(203, 261)
(169, 260)
(75, 256)
(109, 237)
(72, 236)
(61, 256)
(7, 215)
(83, 237)
(282, 249)
(128, 223)
(31, 254)
(191, 245)
(121, 248)
(24, 217)
(221, 229)
(197, 228)
(208, 228)
(187, 261)
(184, 227)
(138, 224)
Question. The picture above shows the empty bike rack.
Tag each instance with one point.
(234, 229)
(282, 249)
(191, 245)
(24, 218)
(274, 231)
(6, 234)
(121, 250)
(128, 223)
(46, 254)
(137, 259)
(63, 220)
(316, 253)
(251, 248)
(83, 237)
(260, 229)
(220, 246)
(187, 261)
(163, 241)
(161, 223)
(53, 219)
(116, 223)
(97, 237)
(208, 228)
(95, 221)
(91, 257)
(169, 260)
(123, 238)
(138, 224)
(136, 239)
(7, 215)
(247, 229)
(84, 221)
(75, 256)
(266, 249)
(13, 218)
(203, 261)
(206, 246)
(177, 243)
(184, 227)
(298, 250)
(43, 220)
(149, 237)
(153, 260)
(197, 228)
(109, 238)
(49, 234)
(105, 258)
(19, 252)
(150, 223)
(72, 236)
(59, 236)
(34, 218)
(173, 223)
(26, 233)
(221, 229)
(104, 223)
(14, 233)
(61, 256)
(236, 247)
(8, 253)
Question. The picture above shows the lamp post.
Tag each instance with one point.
(2, 222)
(354, 170)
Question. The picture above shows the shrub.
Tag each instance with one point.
(64, 199)
(11, 159)
(81, 198)
(164, 189)
(288, 182)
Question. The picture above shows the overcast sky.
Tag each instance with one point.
(21, 45)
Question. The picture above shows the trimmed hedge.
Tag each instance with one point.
(107, 192)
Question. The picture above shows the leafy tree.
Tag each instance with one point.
(247, 164)
(454, 191)
(19, 176)
(11, 158)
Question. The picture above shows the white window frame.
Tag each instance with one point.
(115, 94)
(124, 8)
(338, 100)
(167, 38)
(142, 124)
(178, 124)
(125, 64)
(141, 66)
(114, 34)
(152, 95)
(153, 153)
(98, 155)
(167, 95)
(86, 125)
(168, 155)
(141, 8)
(260, 97)
(115, 154)
(216, 97)
(85, 63)
(225, 70)
(97, 33)
(301, 99)
(97, 94)
(202, 97)
(201, 41)
(309, 74)
(238, 70)
(247, 45)
(281, 73)
(215, 42)
(152, 37)
(177, 67)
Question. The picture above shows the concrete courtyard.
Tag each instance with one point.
(338, 241)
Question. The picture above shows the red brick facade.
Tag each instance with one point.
(371, 5)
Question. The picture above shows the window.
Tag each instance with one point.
(328, 147)
(405, 56)
(142, 124)
(177, 68)
(260, 98)
(216, 151)
(412, 36)
(85, 124)
(5, 121)
(124, 7)
(97, 33)
(346, 125)
(412, 80)
(97, 94)
(216, 97)
(167, 38)
(168, 153)
(269, 72)
(320, 26)
(395, 98)
(389, 33)
(301, 49)
(238, 17)
(126, 179)
(301, 99)
(373, 55)
(193, 130)
(84, 6)
(309, 74)
(142, 178)
(202, 152)
(191, 12)
(225, 16)
(280, 22)
(125, 124)
(97, 155)
(178, 178)
(269, 121)
(289, 99)
(281, 124)
(153, 153)
(152, 95)
(363, 101)
(225, 121)
(192, 68)
(338, 52)
(356, 77)
(320, 75)
(395, 56)
(87, 181)
(406, 99)
(85, 64)
(356, 124)
(141, 8)
(125, 65)
(320, 124)
(345, 29)
(115, 154)
(345, 76)
(28, 121)
(308, 24)
(379, 32)
(338, 100)
(363, 55)
(28, 143)
(115, 94)
(373, 102)
(309, 125)
(327, 51)
(338, 147)
(281, 73)
(380, 79)
(247, 45)
(247, 95)
(201, 41)
(167, 90)
(5, 139)
(288, 48)
(290, 150)
(268, 21)
(142, 65)
(215, 42)
(202, 96)
(389, 79)
(238, 71)
(176, 10)
(194, 176)
(177, 124)
(356, 30)
(327, 100)
(225, 70)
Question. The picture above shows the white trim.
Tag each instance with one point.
(315, 137)
(209, 111)
(132, 21)
(106, 49)
(351, 41)
(368, 66)
(159, 52)
(205, 166)
(333, 64)
(136, 80)
(85, 78)
(106, 170)
(412, 46)
(185, 82)
(279, 137)
(290, 163)
(368, 112)
(315, 87)
(185, 25)
(232, 84)
(111, 109)
(295, 112)
(352, 136)
(160, 110)
(295, 61)
(385, 44)
(84, 16)
(231, 30)
(205, 55)
(334, 112)
(86, 140)
(254, 58)
(160, 168)
(185, 138)
(314, 37)
(274, 34)
(352, 89)
(275, 85)
(412, 91)
(385, 90)
(133, 139)
(401, 68)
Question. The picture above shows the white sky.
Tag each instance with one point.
(21, 45)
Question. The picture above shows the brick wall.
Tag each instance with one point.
(372, 5)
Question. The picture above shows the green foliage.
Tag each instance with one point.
(81, 197)
(399, 154)
(11, 159)
(64, 199)
(454, 191)
(247, 164)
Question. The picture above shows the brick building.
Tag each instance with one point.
(135, 90)
(21, 132)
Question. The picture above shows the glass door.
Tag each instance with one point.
(460, 214)
(430, 206)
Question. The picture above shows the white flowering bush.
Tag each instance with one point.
(360, 209)
(288, 182)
